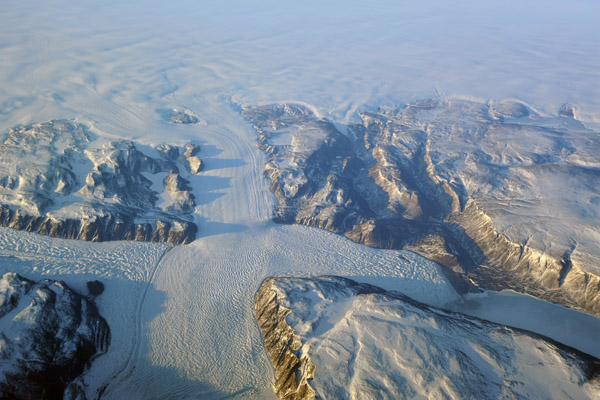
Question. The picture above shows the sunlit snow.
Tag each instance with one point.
(181, 319)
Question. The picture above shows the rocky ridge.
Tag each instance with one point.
(59, 179)
(325, 337)
(292, 369)
(48, 336)
(466, 184)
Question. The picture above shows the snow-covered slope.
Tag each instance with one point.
(331, 337)
(131, 67)
(48, 335)
(125, 268)
(451, 180)
(59, 179)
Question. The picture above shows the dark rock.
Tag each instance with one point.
(95, 288)
(61, 334)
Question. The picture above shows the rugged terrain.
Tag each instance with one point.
(49, 335)
(331, 337)
(183, 325)
(496, 192)
(59, 179)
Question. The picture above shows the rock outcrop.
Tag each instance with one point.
(293, 370)
(331, 337)
(466, 184)
(194, 163)
(179, 116)
(179, 191)
(49, 334)
(58, 179)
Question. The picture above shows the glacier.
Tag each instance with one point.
(138, 72)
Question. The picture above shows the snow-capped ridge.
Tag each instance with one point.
(48, 336)
(60, 181)
(330, 337)
(461, 182)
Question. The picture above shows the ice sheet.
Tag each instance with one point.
(115, 63)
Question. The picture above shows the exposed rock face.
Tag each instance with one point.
(48, 336)
(466, 184)
(194, 163)
(523, 268)
(58, 179)
(293, 370)
(331, 337)
(179, 191)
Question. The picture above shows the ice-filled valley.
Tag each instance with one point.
(182, 317)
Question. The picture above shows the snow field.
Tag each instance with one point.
(114, 64)
(125, 268)
(207, 331)
(120, 61)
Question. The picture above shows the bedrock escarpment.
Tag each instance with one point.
(293, 370)
(59, 179)
(496, 192)
(331, 337)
